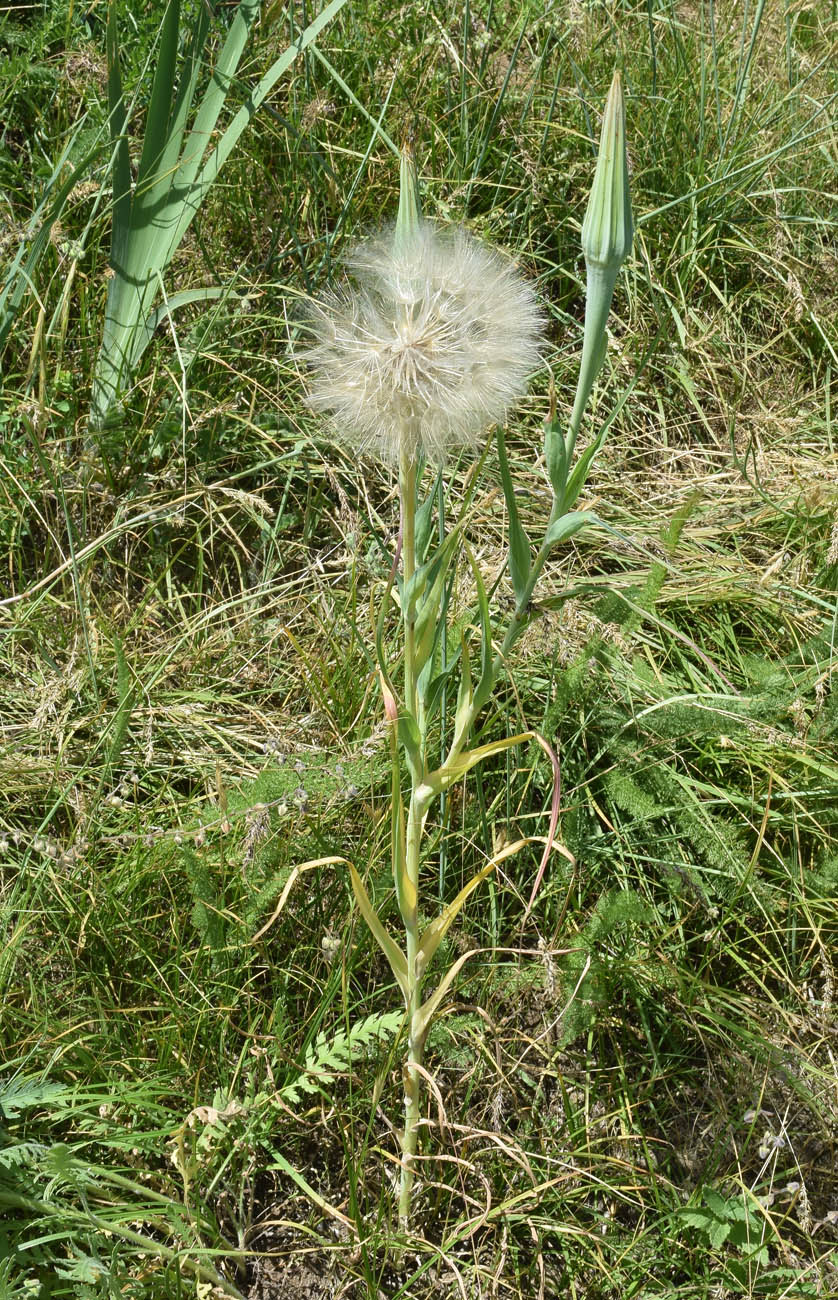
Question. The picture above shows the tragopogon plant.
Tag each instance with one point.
(432, 343)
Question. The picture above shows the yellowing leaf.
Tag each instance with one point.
(455, 768)
(391, 950)
(437, 930)
(296, 872)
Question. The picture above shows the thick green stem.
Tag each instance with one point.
(416, 1033)
(409, 893)
(598, 294)
(407, 492)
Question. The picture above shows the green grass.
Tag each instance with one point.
(634, 1093)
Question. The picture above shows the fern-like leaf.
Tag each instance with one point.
(21, 1093)
(21, 1154)
(327, 1057)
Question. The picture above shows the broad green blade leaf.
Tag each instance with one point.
(391, 950)
(159, 113)
(520, 556)
(566, 525)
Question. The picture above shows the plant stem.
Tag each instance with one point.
(416, 1034)
(413, 842)
(407, 493)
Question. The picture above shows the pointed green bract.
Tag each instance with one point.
(607, 233)
(608, 228)
(409, 217)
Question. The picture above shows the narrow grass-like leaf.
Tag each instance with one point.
(296, 1177)
(427, 617)
(121, 163)
(424, 523)
(455, 768)
(438, 929)
(484, 684)
(293, 877)
(391, 950)
(465, 697)
(20, 274)
(435, 933)
(405, 888)
(520, 556)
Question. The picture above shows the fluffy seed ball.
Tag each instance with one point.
(431, 343)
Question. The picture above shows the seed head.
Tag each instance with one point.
(432, 341)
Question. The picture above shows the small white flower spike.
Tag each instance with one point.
(433, 341)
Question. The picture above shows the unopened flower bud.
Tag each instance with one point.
(606, 239)
(608, 228)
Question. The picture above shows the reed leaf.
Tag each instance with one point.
(174, 176)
